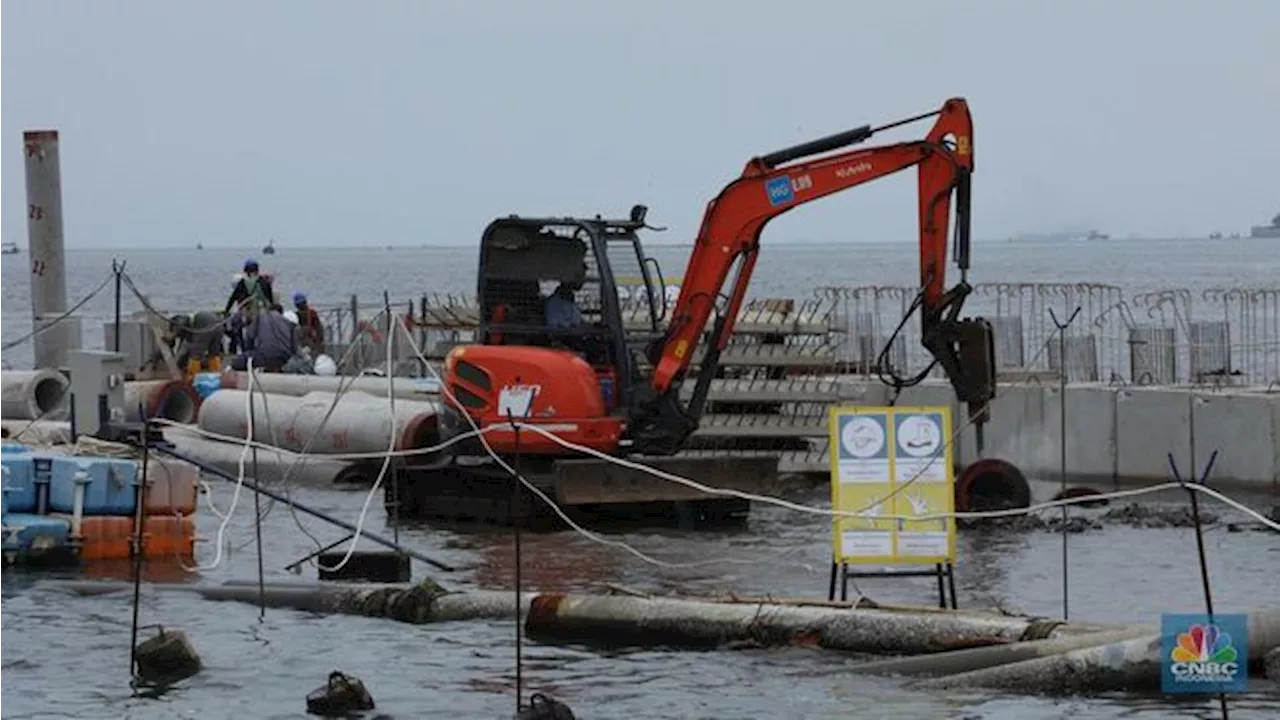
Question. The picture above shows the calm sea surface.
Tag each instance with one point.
(68, 657)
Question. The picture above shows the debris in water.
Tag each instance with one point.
(166, 658)
(542, 707)
(1271, 664)
(1134, 515)
(1146, 516)
(339, 697)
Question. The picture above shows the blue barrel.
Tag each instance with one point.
(206, 384)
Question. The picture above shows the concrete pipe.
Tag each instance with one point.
(169, 399)
(991, 484)
(34, 395)
(359, 423)
(649, 622)
(273, 467)
(299, 385)
(37, 432)
(1118, 665)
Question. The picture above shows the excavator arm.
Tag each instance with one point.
(775, 183)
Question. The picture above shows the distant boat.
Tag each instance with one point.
(1215, 236)
(270, 248)
(199, 246)
(1095, 235)
(1267, 231)
(10, 249)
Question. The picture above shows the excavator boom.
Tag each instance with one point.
(775, 183)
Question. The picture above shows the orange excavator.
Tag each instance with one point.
(565, 350)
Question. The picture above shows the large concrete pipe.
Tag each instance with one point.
(359, 423)
(169, 399)
(34, 394)
(991, 484)
(272, 467)
(299, 385)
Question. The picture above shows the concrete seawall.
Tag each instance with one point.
(1119, 436)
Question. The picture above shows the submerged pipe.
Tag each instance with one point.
(1133, 664)
(689, 623)
(34, 394)
(421, 603)
(272, 467)
(634, 621)
(957, 661)
(359, 423)
(169, 399)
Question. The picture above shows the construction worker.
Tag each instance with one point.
(312, 332)
(196, 342)
(274, 342)
(251, 295)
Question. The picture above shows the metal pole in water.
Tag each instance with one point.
(45, 245)
(1199, 529)
(257, 500)
(517, 517)
(397, 462)
(1062, 442)
(139, 517)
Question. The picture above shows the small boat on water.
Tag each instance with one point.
(1267, 231)
(269, 248)
(10, 248)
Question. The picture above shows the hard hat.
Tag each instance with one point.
(250, 265)
(291, 316)
(299, 298)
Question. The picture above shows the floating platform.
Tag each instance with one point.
(60, 508)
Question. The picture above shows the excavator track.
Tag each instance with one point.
(590, 491)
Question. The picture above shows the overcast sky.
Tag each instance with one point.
(351, 123)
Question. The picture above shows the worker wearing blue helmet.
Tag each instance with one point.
(251, 295)
(310, 329)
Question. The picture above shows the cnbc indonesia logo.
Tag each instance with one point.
(1204, 654)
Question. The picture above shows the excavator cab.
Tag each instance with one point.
(557, 337)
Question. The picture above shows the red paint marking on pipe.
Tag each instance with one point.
(419, 432)
(543, 608)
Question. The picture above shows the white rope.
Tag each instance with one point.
(785, 503)
(240, 473)
(386, 461)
